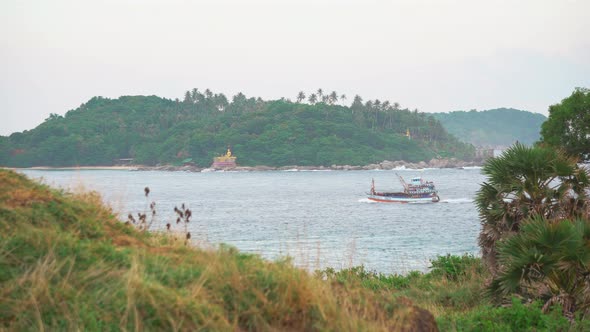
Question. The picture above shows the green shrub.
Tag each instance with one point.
(369, 279)
(517, 317)
(453, 267)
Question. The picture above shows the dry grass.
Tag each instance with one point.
(66, 263)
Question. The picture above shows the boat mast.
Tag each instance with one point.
(402, 181)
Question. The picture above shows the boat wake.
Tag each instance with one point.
(457, 200)
(366, 200)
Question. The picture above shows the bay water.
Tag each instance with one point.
(318, 218)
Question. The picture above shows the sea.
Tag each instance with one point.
(317, 219)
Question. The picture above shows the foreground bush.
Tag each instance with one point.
(548, 260)
(516, 317)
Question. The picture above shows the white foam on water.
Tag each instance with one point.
(366, 200)
(457, 200)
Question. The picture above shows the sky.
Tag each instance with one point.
(436, 55)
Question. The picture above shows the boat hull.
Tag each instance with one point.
(403, 198)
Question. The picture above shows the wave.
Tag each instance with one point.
(457, 200)
(472, 167)
(366, 200)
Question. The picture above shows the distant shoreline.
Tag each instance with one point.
(74, 168)
(384, 165)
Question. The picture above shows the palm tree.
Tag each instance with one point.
(187, 97)
(357, 103)
(387, 109)
(194, 95)
(547, 259)
(527, 181)
(238, 102)
(333, 98)
(300, 96)
(220, 102)
(377, 107)
(313, 98)
(320, 93)
(342, 97)
(368, 109)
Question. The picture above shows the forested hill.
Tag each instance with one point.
(154, 130)
(502, 126)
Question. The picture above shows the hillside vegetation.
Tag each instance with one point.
(568, 125)
(497, 127)
(67, 264)
(153, 130)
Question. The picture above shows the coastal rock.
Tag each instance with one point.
(384, 165)
(345, 168)
(441, 163)
(289, 168)
(263, 168)
(372, 166)
(451, 163)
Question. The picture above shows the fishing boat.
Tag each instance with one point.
(417, 191)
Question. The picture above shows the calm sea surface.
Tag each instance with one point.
(319, 218)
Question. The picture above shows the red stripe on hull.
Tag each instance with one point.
(386, 201)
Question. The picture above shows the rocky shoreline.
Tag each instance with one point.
(384, 165)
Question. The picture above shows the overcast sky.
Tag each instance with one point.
(437, 56)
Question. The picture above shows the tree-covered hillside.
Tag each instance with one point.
(568, 126)
(502, 126)
(154, 130)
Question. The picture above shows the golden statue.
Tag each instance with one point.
(227, 160)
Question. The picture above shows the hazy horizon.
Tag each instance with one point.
(436, 56)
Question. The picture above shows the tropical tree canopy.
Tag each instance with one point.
(523, 182)
(568, 125)
(151, 130)
(550, 260)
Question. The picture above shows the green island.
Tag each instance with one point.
(151, 130)
(496, 127)
(67, 263)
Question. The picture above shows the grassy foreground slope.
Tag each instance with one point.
(66, 263)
